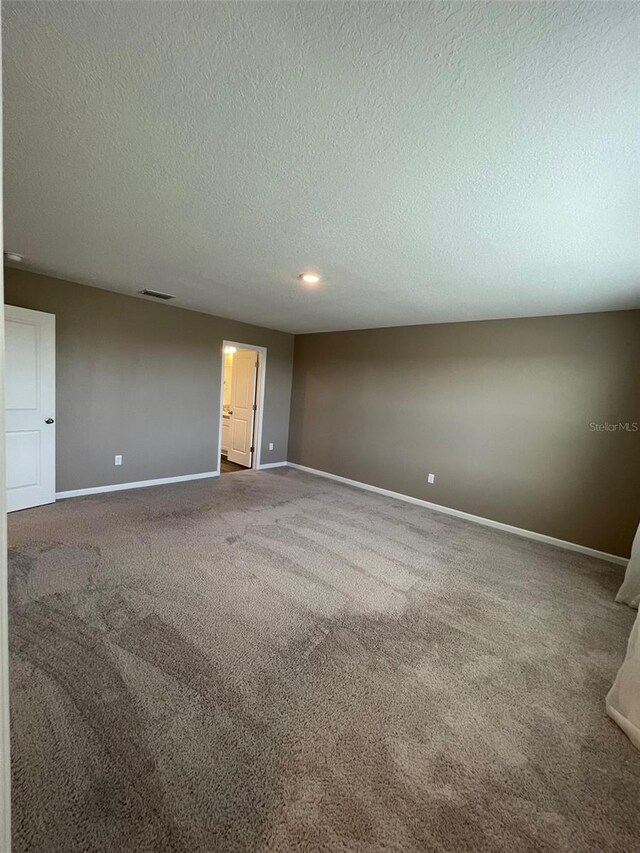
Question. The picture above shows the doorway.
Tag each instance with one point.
(241, 404)
(30, 398)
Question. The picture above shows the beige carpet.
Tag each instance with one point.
(276, 662)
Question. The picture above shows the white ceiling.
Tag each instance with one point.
(434, 161)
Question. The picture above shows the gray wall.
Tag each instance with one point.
(500, 411)
(143, 379)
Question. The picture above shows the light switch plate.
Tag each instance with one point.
(117, 460)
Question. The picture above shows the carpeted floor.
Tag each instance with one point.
(277, 662)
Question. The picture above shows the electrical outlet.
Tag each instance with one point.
(117, 460)
(431, 478)
(270, 445)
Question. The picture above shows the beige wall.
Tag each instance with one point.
(143, 379)
(500, 411)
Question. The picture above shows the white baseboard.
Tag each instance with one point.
(140, 484)
(487, 522)
(272, 465)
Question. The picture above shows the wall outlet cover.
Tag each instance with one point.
(431, 478)
(270, 445)
(118, 460)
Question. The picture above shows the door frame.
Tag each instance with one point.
(258, 420)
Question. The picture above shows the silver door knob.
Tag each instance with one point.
(48, 420)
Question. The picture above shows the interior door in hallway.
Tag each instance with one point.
(243, 401)
(30, 397)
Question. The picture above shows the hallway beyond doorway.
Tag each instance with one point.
(227, 467)
(241, 403)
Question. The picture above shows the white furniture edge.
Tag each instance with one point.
(140, 484)
(272, 465)
(5, 763)
(487, 522)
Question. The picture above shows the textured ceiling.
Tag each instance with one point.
(433, 161)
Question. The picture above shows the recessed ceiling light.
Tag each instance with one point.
(309, 277)
(14, 256)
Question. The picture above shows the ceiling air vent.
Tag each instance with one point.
(157, 294)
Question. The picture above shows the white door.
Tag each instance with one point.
(30, 396)
(243, 394)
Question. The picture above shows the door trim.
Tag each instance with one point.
(261, 383)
